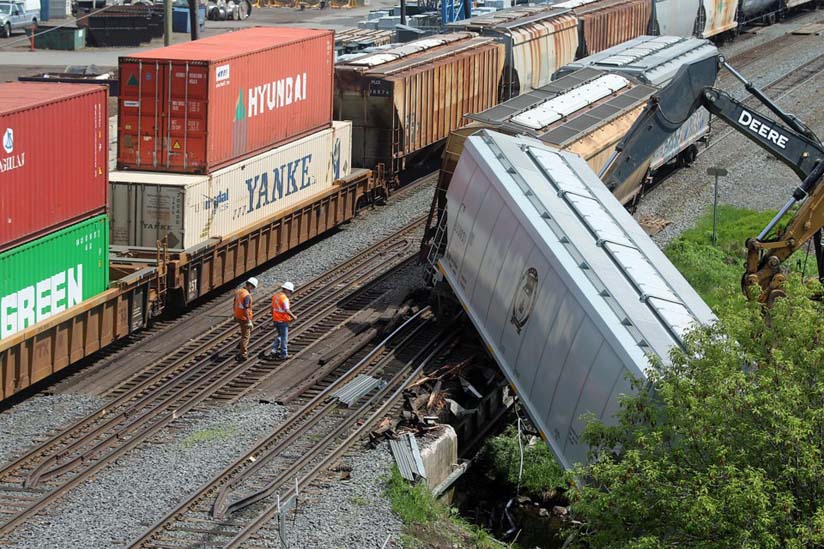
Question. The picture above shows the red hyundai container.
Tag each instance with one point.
(199, 106)
(53, 161)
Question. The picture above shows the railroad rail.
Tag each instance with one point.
(201, 370)
(265, 481)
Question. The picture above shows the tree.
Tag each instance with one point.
(725, 447)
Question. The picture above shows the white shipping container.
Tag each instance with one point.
(565, 288)
(189, 209)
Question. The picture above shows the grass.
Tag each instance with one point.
(715, 271)
(429, 523)
(208, 435)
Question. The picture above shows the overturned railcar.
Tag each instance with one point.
(567, 291)
(587, 112)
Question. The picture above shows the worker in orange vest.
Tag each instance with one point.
(282, 315)
(243, 316)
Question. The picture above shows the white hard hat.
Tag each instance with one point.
(288, 286)
(253, 281)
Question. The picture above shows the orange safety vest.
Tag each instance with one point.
(241, 312)
(280, 304)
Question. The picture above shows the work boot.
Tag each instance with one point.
(240, 358)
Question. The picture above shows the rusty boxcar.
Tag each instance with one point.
(539, 40)
(403, 100)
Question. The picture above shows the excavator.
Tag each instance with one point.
(793, 143)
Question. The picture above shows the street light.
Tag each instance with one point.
(717, 172)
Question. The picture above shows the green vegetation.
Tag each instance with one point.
(360, 501)
(429, 523)
(715, 271)
(208, 435)
(727, 451)
(500, 459)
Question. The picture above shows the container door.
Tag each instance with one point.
(142, 95)
(185, 130)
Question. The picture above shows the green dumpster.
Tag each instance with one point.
(59, 38)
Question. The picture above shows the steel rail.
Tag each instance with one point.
(140, 429)
(298, 420)
(403, 381)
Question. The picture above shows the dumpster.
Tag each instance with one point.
(58, 38)
(181, 21)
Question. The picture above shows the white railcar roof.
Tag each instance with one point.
(572, 213)
(653, 59)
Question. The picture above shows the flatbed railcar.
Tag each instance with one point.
(147, 282)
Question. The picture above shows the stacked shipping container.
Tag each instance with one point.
(239, 126)
(188, 209)
(53, 166)
(199, 106)
(54, 238)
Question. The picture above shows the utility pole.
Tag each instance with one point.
(403, 12)
(194, 18)
(167, 22)
(717, 172)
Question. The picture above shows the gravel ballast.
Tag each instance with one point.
(351, 513)
(123, 501)
(39, 416)
(369, 227)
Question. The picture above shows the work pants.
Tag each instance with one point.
(245, 336)
(279, 345)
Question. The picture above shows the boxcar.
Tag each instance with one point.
(405, 99)
(539, 40)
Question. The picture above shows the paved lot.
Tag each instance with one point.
(17, 60)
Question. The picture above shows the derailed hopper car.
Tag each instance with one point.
(655, 60)
(566, 290)
(587, 112)
(403, 100)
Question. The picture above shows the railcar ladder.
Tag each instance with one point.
(436, 248)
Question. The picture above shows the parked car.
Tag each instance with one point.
(18, 16)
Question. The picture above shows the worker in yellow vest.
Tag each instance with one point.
(243, 316)
(282, 315)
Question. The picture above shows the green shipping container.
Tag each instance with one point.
(53, 273)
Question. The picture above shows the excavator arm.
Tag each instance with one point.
(796, 146)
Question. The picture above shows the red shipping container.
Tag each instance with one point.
(202, 105)
(53, 161)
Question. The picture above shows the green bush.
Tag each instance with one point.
(501, 459)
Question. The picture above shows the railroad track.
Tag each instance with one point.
(778, 89)
(201, 370)
(147, 340)
(322, 426)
